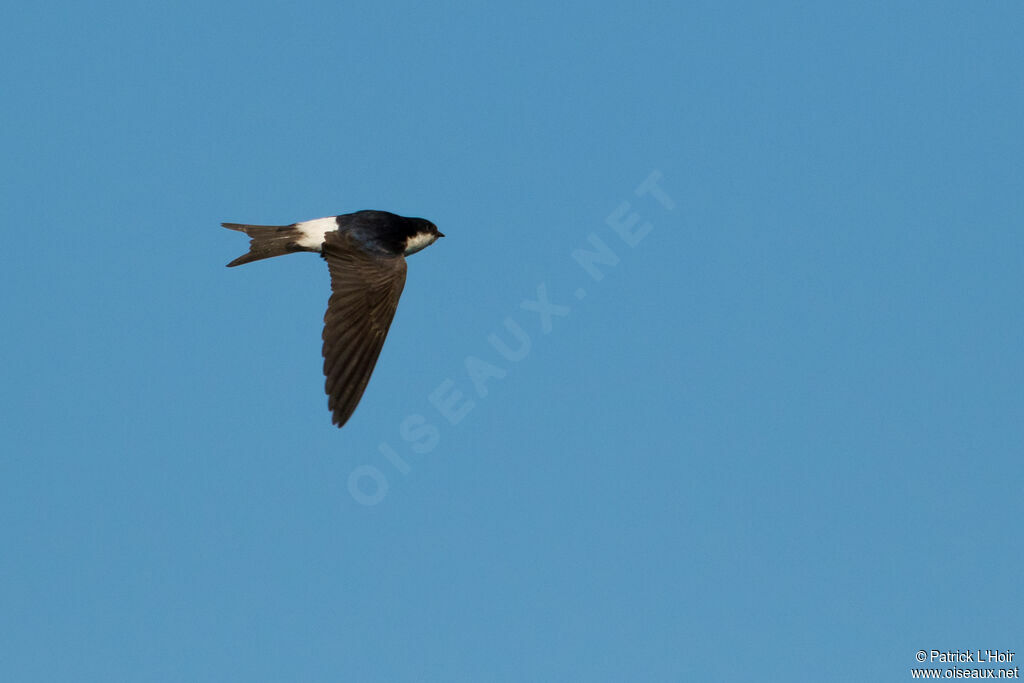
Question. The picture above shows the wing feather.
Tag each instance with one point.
(365, 288)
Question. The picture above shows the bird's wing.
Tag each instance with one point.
(364, 295)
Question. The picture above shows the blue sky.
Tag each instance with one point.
(779, 438)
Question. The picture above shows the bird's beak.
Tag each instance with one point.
(440, 234)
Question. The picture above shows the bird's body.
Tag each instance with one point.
(365, 253)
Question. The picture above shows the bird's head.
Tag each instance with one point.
(424, 234)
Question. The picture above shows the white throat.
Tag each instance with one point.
(420, 240)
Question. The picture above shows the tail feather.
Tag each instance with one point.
(267, 241)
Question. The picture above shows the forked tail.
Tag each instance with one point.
(267, 241)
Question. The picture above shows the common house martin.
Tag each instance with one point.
(365, 253)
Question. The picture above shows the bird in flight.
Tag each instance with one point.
(365, 253)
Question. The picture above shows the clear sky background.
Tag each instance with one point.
(779, 439)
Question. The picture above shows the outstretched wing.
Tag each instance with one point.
(365, 288)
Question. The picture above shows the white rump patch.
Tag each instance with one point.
(420, 240)
(314, 232)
